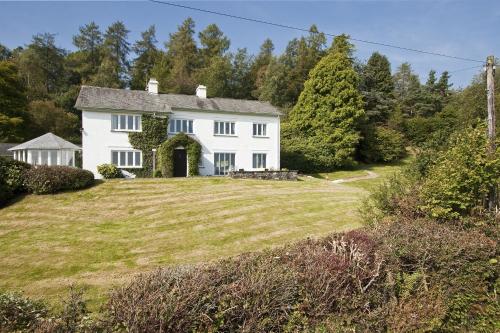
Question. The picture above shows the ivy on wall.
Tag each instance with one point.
(154, 133)
(166, 154)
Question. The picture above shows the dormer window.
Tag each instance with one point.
(125, 123)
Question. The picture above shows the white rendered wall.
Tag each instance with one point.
(243, 144)
(98, 140)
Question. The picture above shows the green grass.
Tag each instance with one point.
(102, 236)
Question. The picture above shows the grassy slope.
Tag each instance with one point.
(99, 236)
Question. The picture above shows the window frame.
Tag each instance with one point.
(222, 126)
(174, 122)
(227, 157)
(259, 157)
(126, 153)
(263, 129)
(122, 120)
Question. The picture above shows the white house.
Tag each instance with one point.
(48, 149)
(234, 134)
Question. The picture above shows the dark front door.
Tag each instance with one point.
(180, 163)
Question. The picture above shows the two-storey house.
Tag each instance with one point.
(234, 134)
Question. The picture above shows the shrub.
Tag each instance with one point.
(11, 178)
(461, 177)
(18, 313)
(109, 171)
(382, 144)
(51, 179)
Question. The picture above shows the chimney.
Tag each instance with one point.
(152, 86)
(201, 91)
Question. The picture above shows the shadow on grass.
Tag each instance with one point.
(359, 167)
(20, 196)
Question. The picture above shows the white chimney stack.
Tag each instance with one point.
(201, 91)
(152, 86)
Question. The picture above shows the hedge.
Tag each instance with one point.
(166, 154)
(51, 179)
(11, 178)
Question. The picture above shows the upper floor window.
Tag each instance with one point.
(125, 122)
(224, 128)
(127, 158)
(181, 125)
(259, 129)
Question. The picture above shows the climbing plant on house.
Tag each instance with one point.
(154, 133)
(166, 154)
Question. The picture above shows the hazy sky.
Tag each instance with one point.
(466, 29)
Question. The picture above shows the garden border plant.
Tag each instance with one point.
(153, 134)
(165, 155)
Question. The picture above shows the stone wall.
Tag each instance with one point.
(269, 175)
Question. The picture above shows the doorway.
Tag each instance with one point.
(180, 163)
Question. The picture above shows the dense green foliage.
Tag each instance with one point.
(13, 115)
(45, 179)
(165, 155)
(153, 134)
(322, 126)
(11, 178)
(109, 171)
(461, 177)
(382, 144)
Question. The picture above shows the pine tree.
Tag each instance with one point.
(323, 124)
(216, 77)
(214, 43)
(241, 77)
(378, 89)
(41, 66)
(259, 66)
(407, 89)
(182, 55)
(89, 43)
(114, 66)
(147, 53)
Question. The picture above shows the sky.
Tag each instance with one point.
(465, 29)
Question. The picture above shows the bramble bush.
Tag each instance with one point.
(109, 171)
(45, 179)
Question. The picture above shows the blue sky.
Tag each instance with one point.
(462, 28)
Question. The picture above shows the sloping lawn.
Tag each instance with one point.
(100, 236)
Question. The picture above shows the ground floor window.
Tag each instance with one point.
(224, 162)
(259, 161)
(127, 158)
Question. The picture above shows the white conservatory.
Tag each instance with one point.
(48, 149)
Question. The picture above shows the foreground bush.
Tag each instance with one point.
(51, 179)
(18, 313)
(109, 171)
(401, 276)
(11, 178)
(461, 177)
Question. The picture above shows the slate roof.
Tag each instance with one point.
(46, 141)
(138, 100)
(4, 149)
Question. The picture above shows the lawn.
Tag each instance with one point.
(101, 236)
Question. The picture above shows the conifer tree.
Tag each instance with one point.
(89, 43)
(147, 53)
(324, 122)
(114, 66)
(378, 88)
(182, 55)
(259, 66)
(214, 43)
(241, 77)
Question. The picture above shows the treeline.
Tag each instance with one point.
(385, 111)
